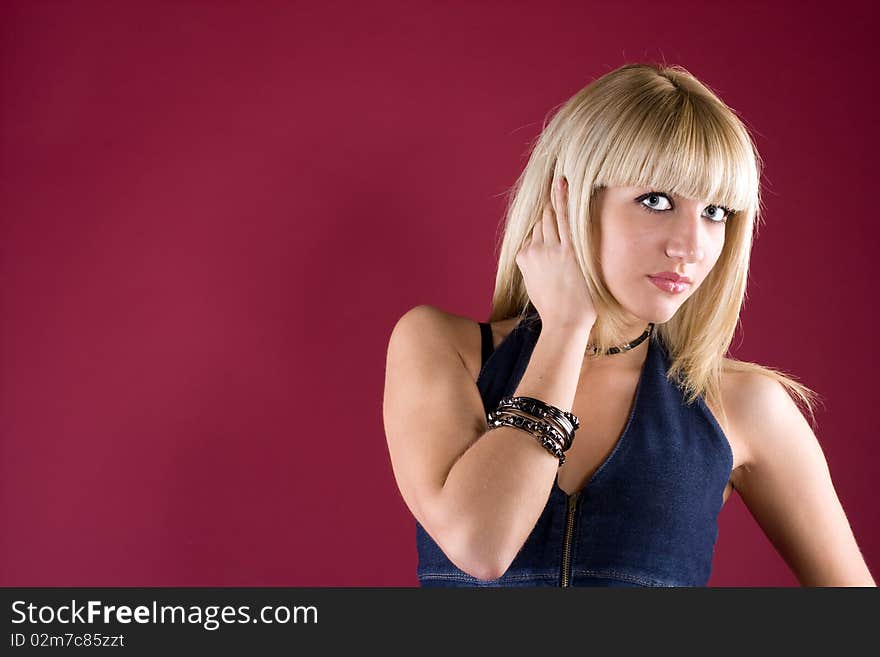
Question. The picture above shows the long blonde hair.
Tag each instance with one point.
(647, 125)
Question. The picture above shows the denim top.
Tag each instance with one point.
(647, 516)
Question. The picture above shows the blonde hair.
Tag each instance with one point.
(647, 125)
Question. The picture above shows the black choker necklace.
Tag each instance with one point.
(532, 313)
(629, 345)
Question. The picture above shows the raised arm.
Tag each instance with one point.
(478, 493)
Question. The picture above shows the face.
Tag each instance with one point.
(645, 232)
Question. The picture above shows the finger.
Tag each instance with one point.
(537, 234)
(549, 227)
(562, 215)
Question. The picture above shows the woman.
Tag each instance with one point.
(590, 432)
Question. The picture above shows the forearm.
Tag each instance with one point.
(500, 485)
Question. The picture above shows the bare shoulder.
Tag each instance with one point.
(429, 325)
(421, 318)
(752, 396)
(459, 332)
(757, 405)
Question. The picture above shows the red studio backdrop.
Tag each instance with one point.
(213, 213)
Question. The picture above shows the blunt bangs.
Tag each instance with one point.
(676, 142)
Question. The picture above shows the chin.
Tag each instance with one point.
(655, 313)
(651, 305)
(665, 317)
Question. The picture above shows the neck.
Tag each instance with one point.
(632, 358)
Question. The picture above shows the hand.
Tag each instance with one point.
(551, 273)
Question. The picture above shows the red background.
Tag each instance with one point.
(214, 213)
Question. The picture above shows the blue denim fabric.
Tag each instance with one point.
(648, 515)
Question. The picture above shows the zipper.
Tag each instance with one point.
(566, 543)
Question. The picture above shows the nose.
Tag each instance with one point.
(687, 233)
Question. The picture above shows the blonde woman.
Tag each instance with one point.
(589, 433)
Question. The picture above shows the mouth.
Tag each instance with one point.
(670, 286)
(672, 276)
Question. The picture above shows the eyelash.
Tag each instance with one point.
(727, 211)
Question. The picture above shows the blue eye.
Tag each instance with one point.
(653, 202)
(654, 198)
(720, 211)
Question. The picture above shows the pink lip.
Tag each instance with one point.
(672, 276)
(673, 287)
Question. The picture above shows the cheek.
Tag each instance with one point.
(626, 250)
(623, 258)
(715, 255)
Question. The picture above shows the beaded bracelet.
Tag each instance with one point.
(551, 426)
(539, 427)
(541, 430)
(566, 422)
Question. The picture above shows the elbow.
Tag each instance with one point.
(474, 552)
(484, 569)
(480, 566)
(481, 549)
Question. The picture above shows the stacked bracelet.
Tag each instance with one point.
(551, 426)
(565, 422)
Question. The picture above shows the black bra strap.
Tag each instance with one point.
(488, 347)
